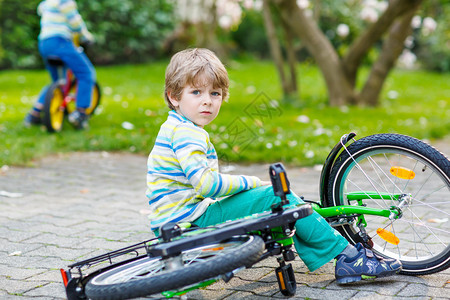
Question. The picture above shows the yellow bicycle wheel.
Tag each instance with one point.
(53, 113)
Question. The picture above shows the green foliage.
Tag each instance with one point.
(19, 27)
(250, 36)
(251, 127)
(125, 30)
(433, 50)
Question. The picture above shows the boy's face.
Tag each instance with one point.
(200, 105)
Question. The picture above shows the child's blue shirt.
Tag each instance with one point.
(183, 176)
(60, 18)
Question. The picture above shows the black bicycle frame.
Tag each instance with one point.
(328, 165)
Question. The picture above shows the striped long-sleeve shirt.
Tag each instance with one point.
(60, 18)
(183, 176)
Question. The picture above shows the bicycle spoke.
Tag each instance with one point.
(383, 167)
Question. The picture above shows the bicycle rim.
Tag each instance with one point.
(423, 231)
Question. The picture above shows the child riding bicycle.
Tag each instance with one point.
(60, 20)
(185, 185)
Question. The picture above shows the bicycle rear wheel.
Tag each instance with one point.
(391, 165)
(53, 112)
(147, 276)
(95, 99)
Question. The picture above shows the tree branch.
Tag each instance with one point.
(274, 44)
(352, 60)
(391, 50)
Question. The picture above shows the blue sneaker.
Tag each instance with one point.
(78, 119)
(365, 265)
(31, 119)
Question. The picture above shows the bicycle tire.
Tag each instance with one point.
(147, 276)
(53, 115)
(95, 100)
(423, 246)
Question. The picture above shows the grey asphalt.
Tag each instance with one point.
(70, 207)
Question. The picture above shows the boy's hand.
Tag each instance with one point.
(87, 37)
(264, 182)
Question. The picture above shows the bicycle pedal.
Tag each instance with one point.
(286, 280)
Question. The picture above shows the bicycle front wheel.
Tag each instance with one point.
(377, 170)
(147, 276)
(53, 112)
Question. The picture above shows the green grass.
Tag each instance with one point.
(253, 125)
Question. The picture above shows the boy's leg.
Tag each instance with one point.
(315, 240)
(82, 68)
(34, 115)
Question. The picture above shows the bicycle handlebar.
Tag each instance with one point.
(280, 183)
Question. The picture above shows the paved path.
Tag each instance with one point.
(78, 205)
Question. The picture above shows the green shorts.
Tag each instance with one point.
(315, 240)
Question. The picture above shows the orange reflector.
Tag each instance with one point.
(388, 236)
(402, 173)
(64, 276)
(280, 277)
(213, 249)
(283, 182)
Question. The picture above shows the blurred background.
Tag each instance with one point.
(136, 31)
(304, 71)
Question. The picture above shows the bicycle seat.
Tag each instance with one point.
(55, 61)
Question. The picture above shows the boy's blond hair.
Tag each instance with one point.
(196, 67)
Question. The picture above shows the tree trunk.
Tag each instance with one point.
(339, 90)
(391, 50)
(359, 49)
(292, 62)
(275, 47)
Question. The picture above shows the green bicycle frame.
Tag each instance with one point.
(336, 211)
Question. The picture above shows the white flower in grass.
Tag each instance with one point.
(274, 103)
(250, 89)
(392, 95)
(107, 90)
(423, 121)
(309, 154)
(127, 125)
(292, 143)
(319, 131)
(303, 119)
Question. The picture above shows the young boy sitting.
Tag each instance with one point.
(184, 183)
